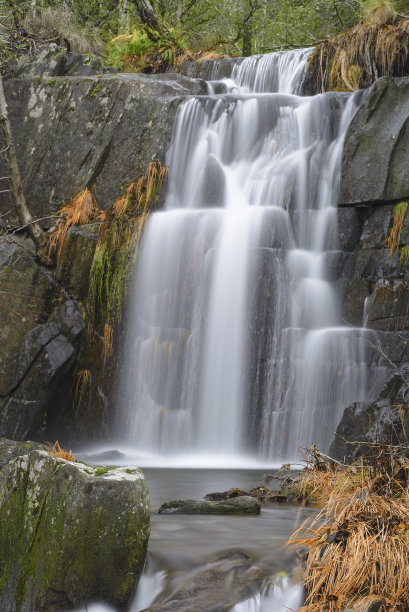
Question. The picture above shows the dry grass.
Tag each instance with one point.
(84, 381)
(107, 343)
(399, 214)
(56, 450)
(380, 12)
(59, 25)
(358, 544)
(355, 59)
(81, 210)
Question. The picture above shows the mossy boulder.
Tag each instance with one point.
(70, 534)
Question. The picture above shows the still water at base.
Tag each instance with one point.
(182, 544)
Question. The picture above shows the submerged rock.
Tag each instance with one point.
(217, 587)
(237, 505)
(69, 533)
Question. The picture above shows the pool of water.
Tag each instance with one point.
(180, 543)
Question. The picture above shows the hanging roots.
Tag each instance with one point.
(84, 379)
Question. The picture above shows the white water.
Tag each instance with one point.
(235, 340)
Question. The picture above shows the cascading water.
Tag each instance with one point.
(236, 342)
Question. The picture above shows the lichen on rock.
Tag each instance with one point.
(69, 534)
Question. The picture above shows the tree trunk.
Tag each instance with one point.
(16, 188)
(146, 12)
(247, 36)
(123, 16)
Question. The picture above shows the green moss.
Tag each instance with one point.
(95, 91)
(100, 471)
(49, 82)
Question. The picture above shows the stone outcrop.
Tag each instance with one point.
(70, 534)
(216, 588)
(374, 165)
(99, 132)
(41, 327)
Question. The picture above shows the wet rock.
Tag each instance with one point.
(374, 164)
(236, 505)
(388, 306)
(41, 328)
(215, 588)
(365, 606)
(74, 266)
(386, 419)
(101, 132)
(349, 229)
(211, 70)
(230, 494)
(71, 534)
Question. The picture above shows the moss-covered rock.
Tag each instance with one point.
(69, 534)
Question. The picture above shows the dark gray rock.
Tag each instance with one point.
(211, 70)
(71, 534)
(236, 505)
(41, 331)
(384, 420)
(215, 588)
(74, 266)
(374, 164)
(349, 229)
(100, 132)
(388, 306)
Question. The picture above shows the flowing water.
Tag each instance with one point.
(236, 350)
(236, 344)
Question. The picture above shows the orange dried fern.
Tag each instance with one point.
(56, 450)
(81, 210)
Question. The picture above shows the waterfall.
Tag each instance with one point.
(235, 343)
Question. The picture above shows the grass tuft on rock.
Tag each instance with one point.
(55, 449)
(380, 12)
(376, 47)
(358, 544)
(399, 214)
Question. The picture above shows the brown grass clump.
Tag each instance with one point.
(56, 450)
(358, 544)
(399, 214)
(355, 59)
(81, 210)
(380, 12)
(84, 380)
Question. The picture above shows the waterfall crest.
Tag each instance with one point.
(236, 344)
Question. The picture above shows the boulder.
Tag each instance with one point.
(215, 588)
(211, 70)
(374, 167)
(70, 533)
(237, 505)
(385, 419)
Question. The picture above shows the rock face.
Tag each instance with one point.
(73, 132)
(70, 534)
(374, 166)
(41, 327)
(237, 505)
(216, 588)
